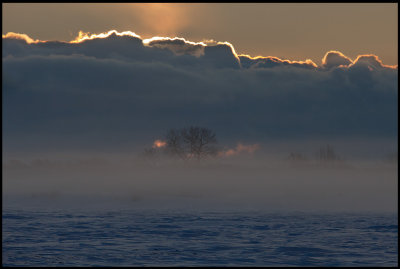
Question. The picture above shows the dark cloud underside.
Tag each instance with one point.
(115, 91)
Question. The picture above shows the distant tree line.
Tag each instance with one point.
(325, 154)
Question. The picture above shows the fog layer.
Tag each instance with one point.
(240, 183)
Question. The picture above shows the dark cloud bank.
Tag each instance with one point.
(111, 90)
(118, 94)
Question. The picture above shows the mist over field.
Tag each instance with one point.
(259, 181)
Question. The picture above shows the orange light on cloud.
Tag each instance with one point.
(240, 148)
(276, 59)
(179, 48)
(159, 143)
(82, 36)
(211, 42)
(160, 38)
(232, 48)
(22, 37)
(324, 60)
(366, 57)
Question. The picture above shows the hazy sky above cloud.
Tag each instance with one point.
(295, 31)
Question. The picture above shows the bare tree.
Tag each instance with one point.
(191, 143)
(175, 145)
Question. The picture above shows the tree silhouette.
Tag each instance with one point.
(327, 154)
(191, 143)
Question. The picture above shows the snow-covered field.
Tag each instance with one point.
(173, 238)
(231, 213)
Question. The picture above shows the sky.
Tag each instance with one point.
(294, 31)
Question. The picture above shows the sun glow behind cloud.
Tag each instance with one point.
(163, 18)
